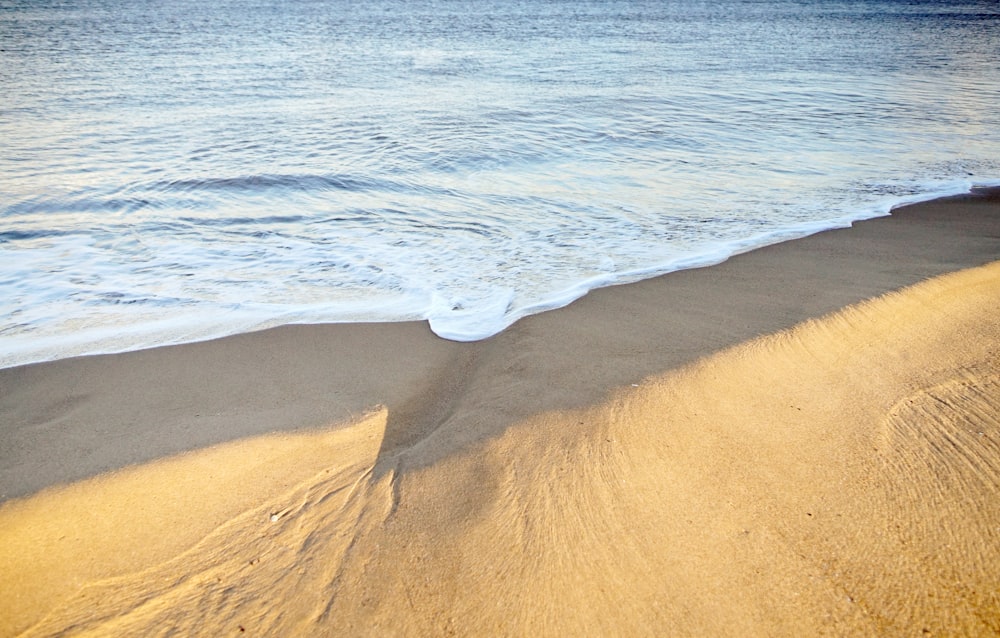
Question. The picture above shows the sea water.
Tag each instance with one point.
(181, 170)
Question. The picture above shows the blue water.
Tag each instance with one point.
(175, 171)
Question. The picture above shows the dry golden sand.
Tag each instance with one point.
(840, 477)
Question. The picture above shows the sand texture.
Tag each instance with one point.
(804, 440)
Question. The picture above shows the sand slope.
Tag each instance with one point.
(840, 478)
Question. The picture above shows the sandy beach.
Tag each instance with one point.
(802, 440)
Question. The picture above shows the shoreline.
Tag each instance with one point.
(741, 448)
(133, 338)
(137, 406)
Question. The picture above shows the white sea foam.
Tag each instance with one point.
(490, 319)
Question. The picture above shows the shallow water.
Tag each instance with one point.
(173, 173)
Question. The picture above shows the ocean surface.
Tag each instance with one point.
(180, 170)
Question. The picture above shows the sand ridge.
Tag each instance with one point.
(151, 539)
(836, 478)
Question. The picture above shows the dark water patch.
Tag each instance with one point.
(40, 233)
(297, 183)
(233, 222)
(262, 183)
(128, 299)
(79, 205)
(348, 218)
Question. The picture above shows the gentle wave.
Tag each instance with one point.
(181, 320)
